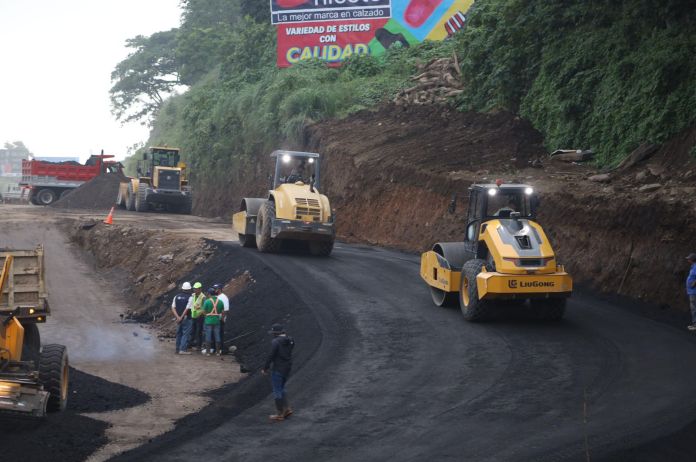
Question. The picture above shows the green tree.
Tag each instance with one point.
(143, 80)
(205, 30)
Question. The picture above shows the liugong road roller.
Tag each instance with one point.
(505, 255)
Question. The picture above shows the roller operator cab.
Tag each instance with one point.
(293, 210)
(505, 255)
(161, 184)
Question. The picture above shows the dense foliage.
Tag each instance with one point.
(605, 75)
(145, 78)
(585, 73)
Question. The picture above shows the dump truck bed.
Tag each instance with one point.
(24, 287)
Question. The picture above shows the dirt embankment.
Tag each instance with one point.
(149, 265)
(390, 175)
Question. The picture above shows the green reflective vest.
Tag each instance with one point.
(197, 309)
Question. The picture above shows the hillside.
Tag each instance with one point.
(535, 77)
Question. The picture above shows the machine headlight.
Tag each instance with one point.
(492, 192)
(529, 191)
(286, 158)
(311, 160)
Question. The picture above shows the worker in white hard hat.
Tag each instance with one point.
(181, 309)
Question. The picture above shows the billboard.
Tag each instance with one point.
(299, 11)
(334, 30)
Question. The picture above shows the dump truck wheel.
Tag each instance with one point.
(31, 349)
(54, 376)
(443, 298)
(473, 309)
(549, 309)
(130, 198)
(141, 198)
(247, 240)
(264, 242)
(46, 197)
(321, 248)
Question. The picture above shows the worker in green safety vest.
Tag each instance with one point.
(197, 315)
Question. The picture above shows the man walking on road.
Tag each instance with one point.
(225, 309)
(181, 308)
(691, 289)
(280, 363)
(213, 311)
(197, 315)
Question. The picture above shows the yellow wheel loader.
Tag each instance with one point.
(33, 378)
(161, 184)
(293, 210)
(505, 255)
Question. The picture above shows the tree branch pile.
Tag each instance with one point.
(436, 82)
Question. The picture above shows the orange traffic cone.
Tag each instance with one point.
(110, 218)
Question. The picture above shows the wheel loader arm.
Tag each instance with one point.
(5, 272)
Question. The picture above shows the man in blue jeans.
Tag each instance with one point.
(280, 363)
(213, 311)
(181, 308)
(691, 289)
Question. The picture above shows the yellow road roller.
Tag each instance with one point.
(293, 210)
(505, 256)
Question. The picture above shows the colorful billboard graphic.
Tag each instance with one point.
(333, 41)
(301, 11)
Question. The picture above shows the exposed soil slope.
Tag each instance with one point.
(390, 175)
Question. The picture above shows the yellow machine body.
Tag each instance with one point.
(164, 186)
(505, 255)
(511, 279)
(297, 202)
(11, 340)
(293, 210)
(23, 303)
(295, 207)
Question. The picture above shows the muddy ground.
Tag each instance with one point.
(70, 435)
(87, 308)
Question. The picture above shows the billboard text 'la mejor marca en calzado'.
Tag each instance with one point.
(334, 30)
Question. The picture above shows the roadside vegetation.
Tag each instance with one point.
(600, 76)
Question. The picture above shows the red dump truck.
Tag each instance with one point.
(49, 181)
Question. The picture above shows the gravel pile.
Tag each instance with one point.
(98, 193)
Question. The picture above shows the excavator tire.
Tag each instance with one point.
(31, 349)
(54, 375)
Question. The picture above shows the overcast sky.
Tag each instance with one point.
(57, 58)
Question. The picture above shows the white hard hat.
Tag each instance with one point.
(186, 286)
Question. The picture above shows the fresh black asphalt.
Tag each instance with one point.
(390, 376)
